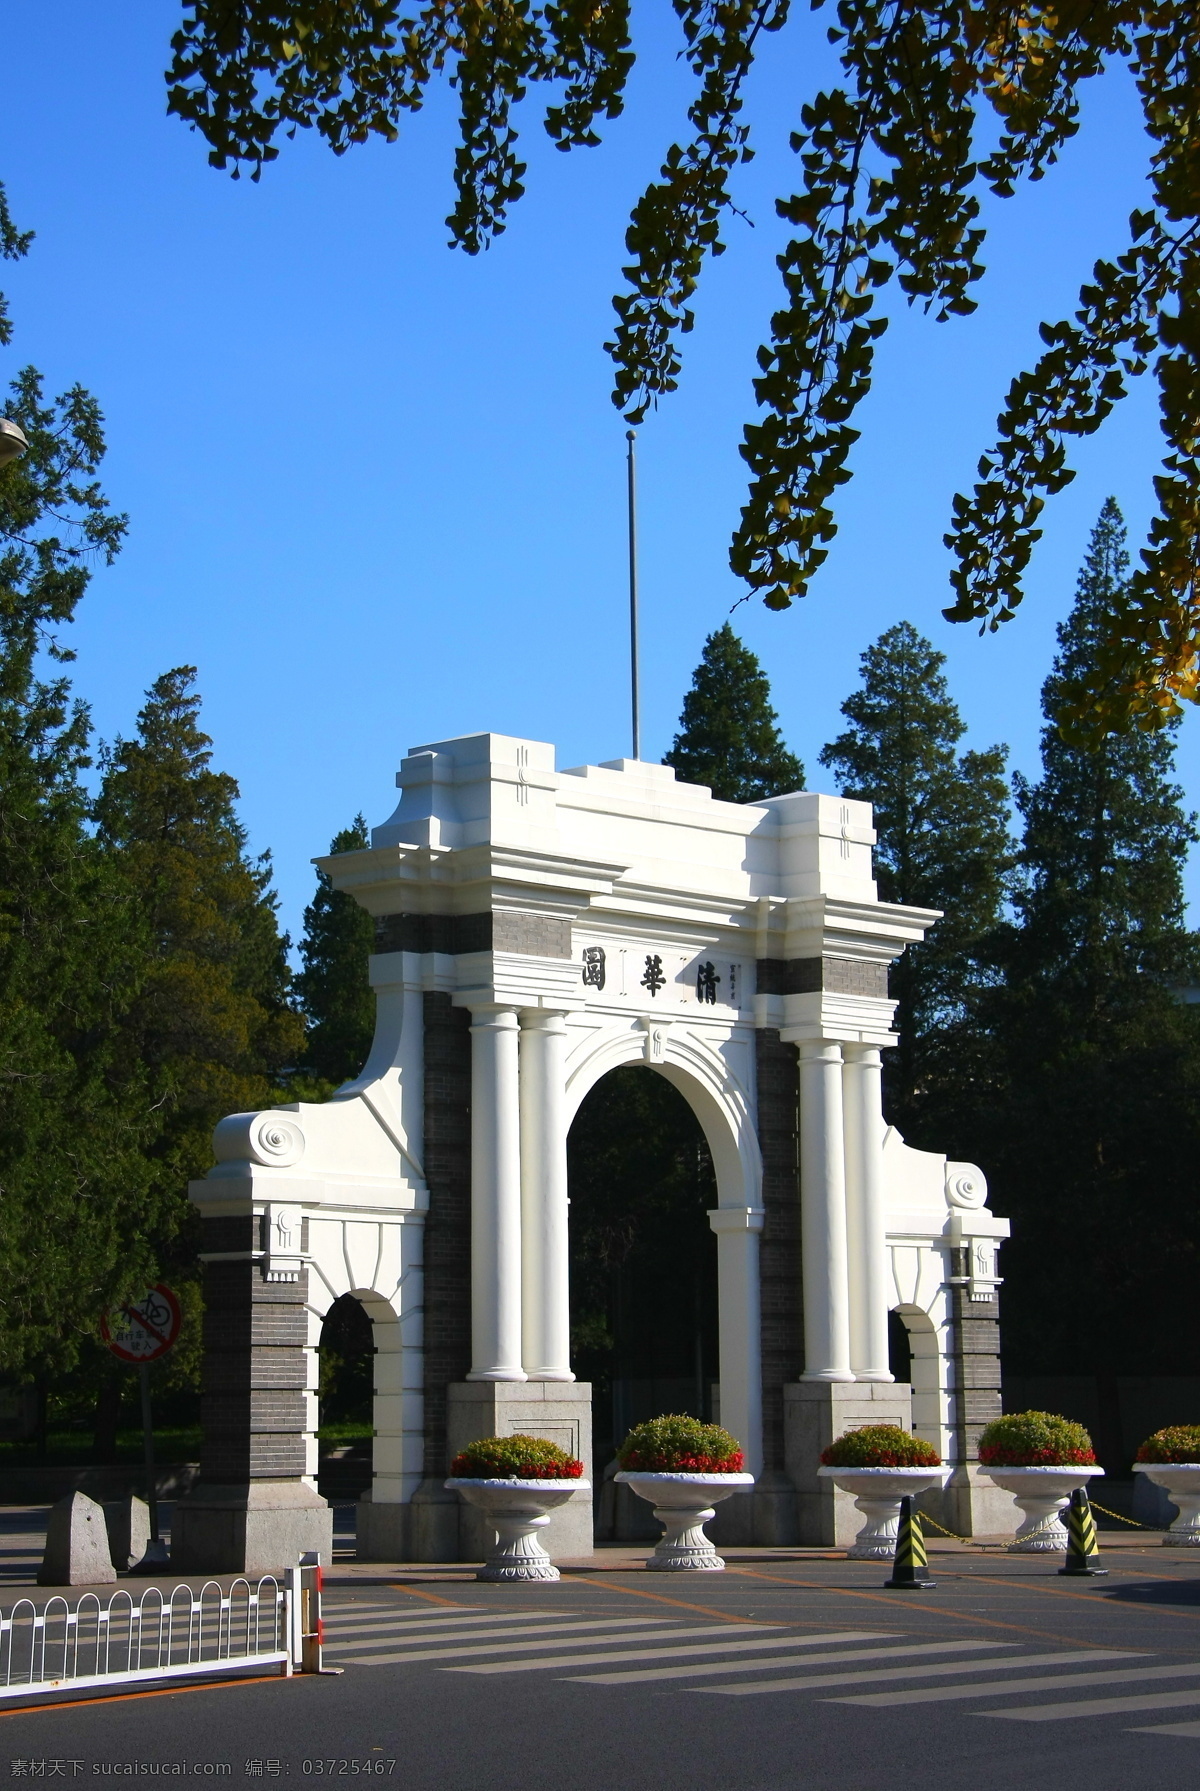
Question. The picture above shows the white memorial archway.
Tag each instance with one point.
(536, 929)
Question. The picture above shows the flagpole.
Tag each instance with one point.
(631, 469)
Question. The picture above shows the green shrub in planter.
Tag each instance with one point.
(1035, 1440)
(515, 1458)
(1179, 1442)
(677, 1444)
(880, 1446)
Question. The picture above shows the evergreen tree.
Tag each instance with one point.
(729, 734)
(211, 1025)
(943, 842)
(1092, 1121)
(338, 1001)
(73, 1117)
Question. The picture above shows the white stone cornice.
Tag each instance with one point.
(832, 926)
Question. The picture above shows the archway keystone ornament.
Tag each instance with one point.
(536, 929)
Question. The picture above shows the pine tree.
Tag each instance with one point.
(338, 1002)
(73, 1117)
(1092, 1127)
(729, 734)
(212, 1023)
(943, 842)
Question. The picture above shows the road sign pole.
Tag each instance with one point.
(148, 1437)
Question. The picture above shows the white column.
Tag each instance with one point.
(399, 1411)
(737, 1229)
(823, 1214)
(866, 1233)
(545, 1261)
(495, 1198)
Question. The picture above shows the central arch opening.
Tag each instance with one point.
(644, 1325)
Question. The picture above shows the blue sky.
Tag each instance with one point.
(376, 488)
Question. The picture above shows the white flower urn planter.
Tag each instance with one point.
(1181, 1482)
(683, 1504)
(877, 1494)
(517, 1510)
(1041, 1493)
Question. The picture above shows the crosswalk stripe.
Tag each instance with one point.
(423, 1625)
(499, 1645)
(1168, 1729)
(942, 1694)
(492, 1641)
(360, 1611)
(681, 1646)
(793, 1659)
(1051, 1713)
(815, 1682)
(495, 1627)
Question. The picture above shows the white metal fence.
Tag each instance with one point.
(273, 1624)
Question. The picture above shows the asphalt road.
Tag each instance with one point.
(786, 1671)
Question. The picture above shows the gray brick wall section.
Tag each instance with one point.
(975, 1344)
(252, 1391)
(531, 935)
(448, 1225)
(807, 976)
(779, 1245)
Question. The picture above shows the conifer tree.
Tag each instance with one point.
(729, 734)
(72, 1117)
(1092, 1120)
(338, 1002)
(212, 1024)
(943, 841)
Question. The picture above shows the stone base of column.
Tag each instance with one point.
(971, 1505)
(424, 1528)
(814, 1413)
(762, 1517)
(259, 1527)
(558, 1410)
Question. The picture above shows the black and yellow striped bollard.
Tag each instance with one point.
(1082, 1545)
(910, 1567)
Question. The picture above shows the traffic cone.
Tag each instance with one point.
(910, 1569)
(1082, 1546)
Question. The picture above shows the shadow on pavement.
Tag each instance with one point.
(1162, 1592)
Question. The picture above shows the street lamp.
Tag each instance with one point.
(12, 441)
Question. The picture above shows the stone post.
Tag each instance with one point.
(866, 1228)
(495, 1197)
(823, 1214)
(255, 1508)
(545, 1256)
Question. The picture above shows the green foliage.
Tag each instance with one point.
(729, 735)
(74, 1117)
(337, 999)
(14, 245)
(892, 177)
(880, 1446)
(1078, 1085)
(1035, 1440)
(941, 818)
(1179, 1442)
(677, 1444)
(516, 1457)
(354, 69)
(211, 1023)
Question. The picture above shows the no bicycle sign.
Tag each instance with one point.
(144, 1329)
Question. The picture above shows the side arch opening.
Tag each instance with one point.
(345, 1398)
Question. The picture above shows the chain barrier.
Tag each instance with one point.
(1097, 1506)
(954, 1535)
(1094, 1503)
